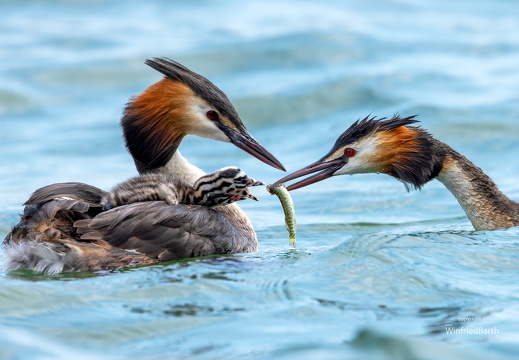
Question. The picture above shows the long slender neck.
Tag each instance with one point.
(182, 169)
(485, 205)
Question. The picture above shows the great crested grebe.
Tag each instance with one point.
(64, 227)
(411, 155)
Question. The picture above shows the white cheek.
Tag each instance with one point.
(356, 165)
(203, 127)
(363, 161)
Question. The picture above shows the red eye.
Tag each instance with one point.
(212, 115)
(350, 152)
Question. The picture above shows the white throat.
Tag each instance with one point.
(182, 168)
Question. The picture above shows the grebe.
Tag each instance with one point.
(153, 123)
(220, 188)
(411, 155)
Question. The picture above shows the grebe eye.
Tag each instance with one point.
(212, 115)
(350, 152)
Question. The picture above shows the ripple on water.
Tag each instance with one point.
(378, 272)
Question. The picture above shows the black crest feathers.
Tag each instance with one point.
(199, 84)
(368, 125)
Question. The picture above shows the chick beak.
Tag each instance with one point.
(328, 169)
(253, 182)
(247, 143)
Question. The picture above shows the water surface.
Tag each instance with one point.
(378, 273)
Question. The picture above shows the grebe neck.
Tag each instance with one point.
(179, 166)
(485, 205)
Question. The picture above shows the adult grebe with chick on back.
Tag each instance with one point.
(48, 239)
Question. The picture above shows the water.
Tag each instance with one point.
(378, 273)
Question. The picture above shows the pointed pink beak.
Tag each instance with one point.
(328, 169)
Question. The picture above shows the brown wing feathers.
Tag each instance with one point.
(159, 230)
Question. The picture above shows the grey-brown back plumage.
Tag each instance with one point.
(152, 218)
(148, 187)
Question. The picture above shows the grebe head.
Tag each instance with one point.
(223, 187)
(155, 122)
(388, 146)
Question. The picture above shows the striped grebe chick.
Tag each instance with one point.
(220, 188)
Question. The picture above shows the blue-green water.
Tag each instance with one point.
(378, 273)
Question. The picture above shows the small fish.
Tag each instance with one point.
(288, 208)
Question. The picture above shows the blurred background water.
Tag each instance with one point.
(378, 273)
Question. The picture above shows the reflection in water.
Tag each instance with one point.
(182, 310)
